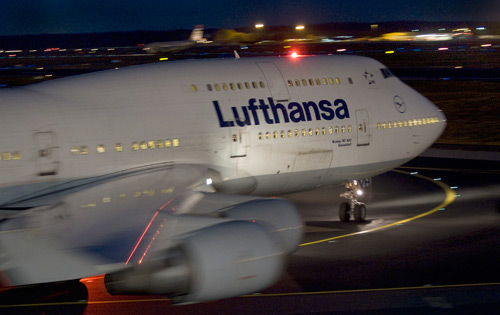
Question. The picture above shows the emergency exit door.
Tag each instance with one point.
(46, 160)
(363, 127)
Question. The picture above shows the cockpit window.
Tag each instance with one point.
(387, 73)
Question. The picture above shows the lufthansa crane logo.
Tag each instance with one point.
(400, 104)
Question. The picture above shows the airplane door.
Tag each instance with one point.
(239, 143)
(363, 127)
(275, 81)
(46, 161)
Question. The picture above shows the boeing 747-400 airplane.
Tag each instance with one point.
(151, 174)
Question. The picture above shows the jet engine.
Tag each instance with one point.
(220, 261)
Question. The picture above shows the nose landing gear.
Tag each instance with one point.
(353, 208)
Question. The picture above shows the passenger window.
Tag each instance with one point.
(343, 129)
(240, 86)
(260, 135)
(304, 82)
(290, 134)
(311, 82)
(151, 144)
(378, 126)
(275, 134)
(324, 81)
(159, 144)
(176, 142)
(323, 131)
(349, 129)
(217, 87)
(118, 147)
(247, 85)
(16, 155)
(290, 83)
(262, 85)
(296, 132)
(75, 150)
(193, 88)
(135, 146)
(304, 132)
(254, 85)
(268, 135)
(168, 143)
(337, 80)
(209, 87)
(318, 81)
(282, 134)
(330, 130)
(6, 156)
(317, 131)
(330, 81)
(101, 148)
(231, 85)
(337, 130)
(224, 86)
(350, 81)
(297, 82)
(144, 145)
(310, 131)
(84, 150)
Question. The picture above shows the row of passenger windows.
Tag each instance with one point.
(407, 123)
(344, 129)
(316, 81)
(135, 146)
(84, 150)
(8, 156)
(304, 132)
(169, 143)
(256, 85)
(231, 86)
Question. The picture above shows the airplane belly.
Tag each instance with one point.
(309, 169)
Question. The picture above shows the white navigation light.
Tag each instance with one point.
(209, 181)
(359, 192)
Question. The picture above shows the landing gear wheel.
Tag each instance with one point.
(359, 212)
(344, 212)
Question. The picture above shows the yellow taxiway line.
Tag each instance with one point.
(450, 197)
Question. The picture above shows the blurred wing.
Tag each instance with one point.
(98, 229)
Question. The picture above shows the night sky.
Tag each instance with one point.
(18, 17)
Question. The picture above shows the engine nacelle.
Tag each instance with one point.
(224, 260)
(279, 215)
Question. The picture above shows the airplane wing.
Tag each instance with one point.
(153, 232)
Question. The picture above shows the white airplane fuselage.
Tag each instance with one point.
(263, 125)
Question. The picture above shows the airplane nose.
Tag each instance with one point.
(441, 120)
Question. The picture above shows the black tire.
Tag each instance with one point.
(359, 212)
(344, 214)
